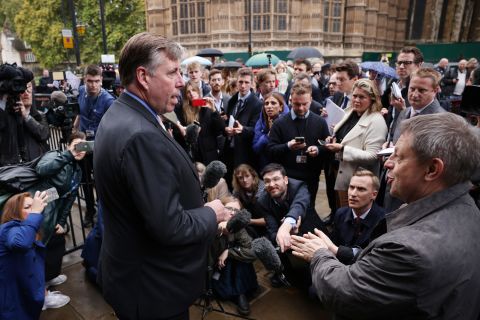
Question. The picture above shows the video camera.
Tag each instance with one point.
(108, 76)
(61, 113)
(13, 82)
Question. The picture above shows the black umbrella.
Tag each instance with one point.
(304, 52)
(209, 52)
(227, 64)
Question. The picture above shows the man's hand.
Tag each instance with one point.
(238, 128)
(230, 131)
(330, 245)
(306, 246)
(384, 111)
(59, 229)
(20, 108)
(312, 151)
(219, 209)
(221, 260)
(283, 236)
(399, 103)
(294, 145)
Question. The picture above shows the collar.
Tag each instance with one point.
(417, 210)
(421, 110)
(245, 97)
(146, 106)
(294, 116)
(363, 216)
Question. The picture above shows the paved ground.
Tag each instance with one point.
(271, 303)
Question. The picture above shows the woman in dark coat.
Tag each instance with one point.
(204, 148)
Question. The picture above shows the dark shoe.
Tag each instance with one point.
(279, 281)
(243, 307)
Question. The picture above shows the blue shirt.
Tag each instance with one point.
(92, 109)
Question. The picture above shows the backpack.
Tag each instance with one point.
(19, 177)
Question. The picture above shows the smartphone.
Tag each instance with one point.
(199, 102)
(300, 139)
(86, 146)
(52, 194)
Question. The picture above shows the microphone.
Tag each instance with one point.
(213, 173)
(58, 98)
(239, 221)
(267, 254)
(192, 132)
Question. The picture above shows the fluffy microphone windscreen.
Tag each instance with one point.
(239, 221)
(213, 173)
(267, 254)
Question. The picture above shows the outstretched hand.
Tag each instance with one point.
(306, 246)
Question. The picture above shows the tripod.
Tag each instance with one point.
(205, 301)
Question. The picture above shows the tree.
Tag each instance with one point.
(123, 19)
(8, 11)
(38, 23)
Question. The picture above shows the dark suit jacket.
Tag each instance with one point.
(433, 107)
(316, 93)
(296, 204)
(285, 129)
(247, 116)
(343, 232)
(157, 231)
(344, 228)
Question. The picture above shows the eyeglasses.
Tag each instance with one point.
(405, 63)
(232, 210)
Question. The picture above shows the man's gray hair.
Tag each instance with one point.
(448, 137)
(147, 50)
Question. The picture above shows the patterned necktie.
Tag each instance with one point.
(357, 227)
(345, 102)
(238, 106)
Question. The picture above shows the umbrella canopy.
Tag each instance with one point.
(304, 52)
(380, 68)
(202, 61)
(261, 60)
(228, 64)
(210, 52)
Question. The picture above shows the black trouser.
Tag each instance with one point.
(331, 170)
(54, 255)
(312, 186)
(87, 185)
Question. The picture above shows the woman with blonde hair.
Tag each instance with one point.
(358, 136)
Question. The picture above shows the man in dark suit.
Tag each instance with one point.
(302, 157)
(157, 227)
(347, 73)
(359, 223)
(422, 90)
(245, 108)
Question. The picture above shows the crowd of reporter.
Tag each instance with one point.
(263, 119)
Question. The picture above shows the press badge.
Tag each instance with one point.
(301, 159)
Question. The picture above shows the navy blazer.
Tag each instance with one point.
(157, 229)
(296, 205)
(344, 228)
